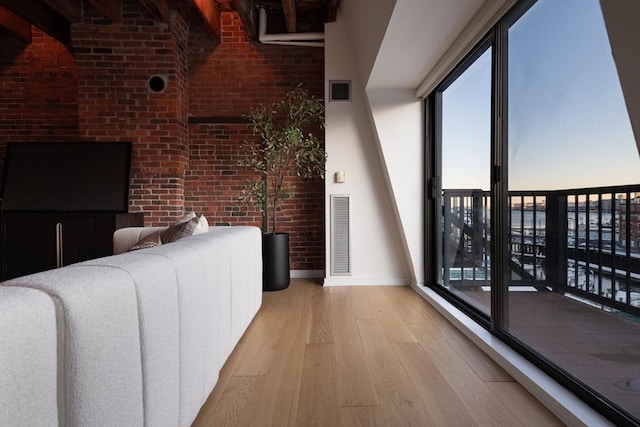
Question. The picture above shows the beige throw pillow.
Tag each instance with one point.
(202, 225)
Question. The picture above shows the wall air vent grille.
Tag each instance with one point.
(339, 91)
(340, 235)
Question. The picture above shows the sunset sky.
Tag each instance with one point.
(568, 124)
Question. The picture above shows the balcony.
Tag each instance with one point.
(573, 275)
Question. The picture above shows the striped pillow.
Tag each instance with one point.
(180, 230)
(150, 241)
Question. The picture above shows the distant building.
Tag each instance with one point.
(633, 219)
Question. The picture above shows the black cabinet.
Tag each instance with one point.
(32, 242)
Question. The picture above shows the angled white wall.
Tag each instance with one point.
(366, 24)
(398, 120)
(622, 19)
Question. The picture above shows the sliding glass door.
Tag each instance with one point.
(535, 196)
(464, 106)
(572, 154)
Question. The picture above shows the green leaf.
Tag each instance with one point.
(284, 145)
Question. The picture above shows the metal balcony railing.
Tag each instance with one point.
(584, 242)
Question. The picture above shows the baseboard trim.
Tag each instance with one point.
(363, 281)
(306, 274)
(564, 404)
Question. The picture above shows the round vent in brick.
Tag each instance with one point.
(157, 83)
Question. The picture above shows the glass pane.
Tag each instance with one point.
(574, 173)
(466, 168)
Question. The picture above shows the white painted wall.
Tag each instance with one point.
(377, 139)
(377, 254)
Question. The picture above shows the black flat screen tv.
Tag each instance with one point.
(66, 177)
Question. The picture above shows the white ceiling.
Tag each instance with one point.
(418, 34)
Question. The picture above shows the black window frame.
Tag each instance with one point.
(497, 39)
(433, 174)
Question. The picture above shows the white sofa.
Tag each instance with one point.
(133, 339)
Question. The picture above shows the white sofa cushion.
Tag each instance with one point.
(99, 343)
(28, 358)
(157, 297)
(191, 313)
(221, 301)
(215, 257)
(245, 243)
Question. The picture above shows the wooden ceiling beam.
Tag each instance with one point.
(110, 9)
(16, 25)
(159, 9)
(247, 11)
(289, 8)
(332, 10)
(70, 9)
(42, 16)
(209, 12)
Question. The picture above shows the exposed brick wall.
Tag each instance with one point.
(225, 83)
(97, 90)
(114, 64)
(37, 103)
(239, 74)
(213, 181)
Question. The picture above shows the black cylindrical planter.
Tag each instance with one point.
(275, 261)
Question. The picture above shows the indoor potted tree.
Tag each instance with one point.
(285, 146)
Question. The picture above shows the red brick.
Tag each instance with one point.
(96, 90)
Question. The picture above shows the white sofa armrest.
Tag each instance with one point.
(126, 237)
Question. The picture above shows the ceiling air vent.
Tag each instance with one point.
(340, 91)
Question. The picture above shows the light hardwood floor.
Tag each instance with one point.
(362, 356)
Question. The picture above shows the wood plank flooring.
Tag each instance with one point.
(362, 356)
